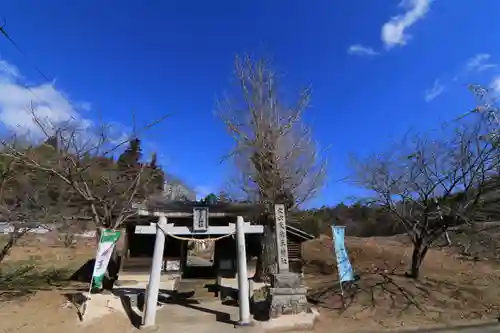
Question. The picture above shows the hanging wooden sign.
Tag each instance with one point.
(200, 219)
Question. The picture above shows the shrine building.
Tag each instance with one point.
(187, 222)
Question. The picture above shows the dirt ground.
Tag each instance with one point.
(452, 290)
(36, 300)
(49, 312)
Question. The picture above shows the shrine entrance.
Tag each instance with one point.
(166, 241)
(139, 251)
(189, 255)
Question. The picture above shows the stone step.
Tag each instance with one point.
(137, 299)
(200, 288)
(288, 291)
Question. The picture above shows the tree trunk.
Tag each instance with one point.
(418, 255)
(13, 238)
(6, 248)
(267, 263)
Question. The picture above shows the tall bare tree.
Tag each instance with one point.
(431, 185)
(276, 158)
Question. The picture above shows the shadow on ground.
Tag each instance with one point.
(133, 301)
(84, 273)
(259, 306)
(199, 272)
(27, 279)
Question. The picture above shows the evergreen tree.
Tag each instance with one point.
(52, 142)
(131, 156)
(157, 174)
(154, 163)
(129, 166)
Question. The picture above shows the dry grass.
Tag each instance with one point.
(37, 264)
(34, 284)
(450, 290)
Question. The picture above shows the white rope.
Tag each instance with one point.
(196, 240)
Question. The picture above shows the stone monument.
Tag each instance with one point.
(287, 293)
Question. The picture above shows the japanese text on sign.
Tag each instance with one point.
(200, 219)
(99, 264)
(279, 213)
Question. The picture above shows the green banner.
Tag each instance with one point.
(107, 242)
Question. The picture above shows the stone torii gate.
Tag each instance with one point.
(200, 226)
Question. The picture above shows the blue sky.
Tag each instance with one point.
(377, 69)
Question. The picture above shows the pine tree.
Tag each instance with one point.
(156, 173)
(52, 142)
(153, 164)
(131, 156)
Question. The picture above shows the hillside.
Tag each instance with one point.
(452, 288)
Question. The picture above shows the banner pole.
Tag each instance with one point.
(342, 295)
(87, 297)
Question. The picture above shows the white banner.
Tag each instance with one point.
(105, 249)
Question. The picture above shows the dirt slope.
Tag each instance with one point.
(450, 289)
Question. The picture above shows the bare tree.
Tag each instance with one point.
(25, 200)
(479, 240)
(487, 109)
(430, 186)
(83, 162)
(276, 158)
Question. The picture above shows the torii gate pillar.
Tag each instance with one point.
(243, 285)
(153, 287)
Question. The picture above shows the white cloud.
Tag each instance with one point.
(486, 67)
(495, 85)
(361, 50)
(19, 102)
(480, 62)
(394, 31)
(8, 70)
(434, 91)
